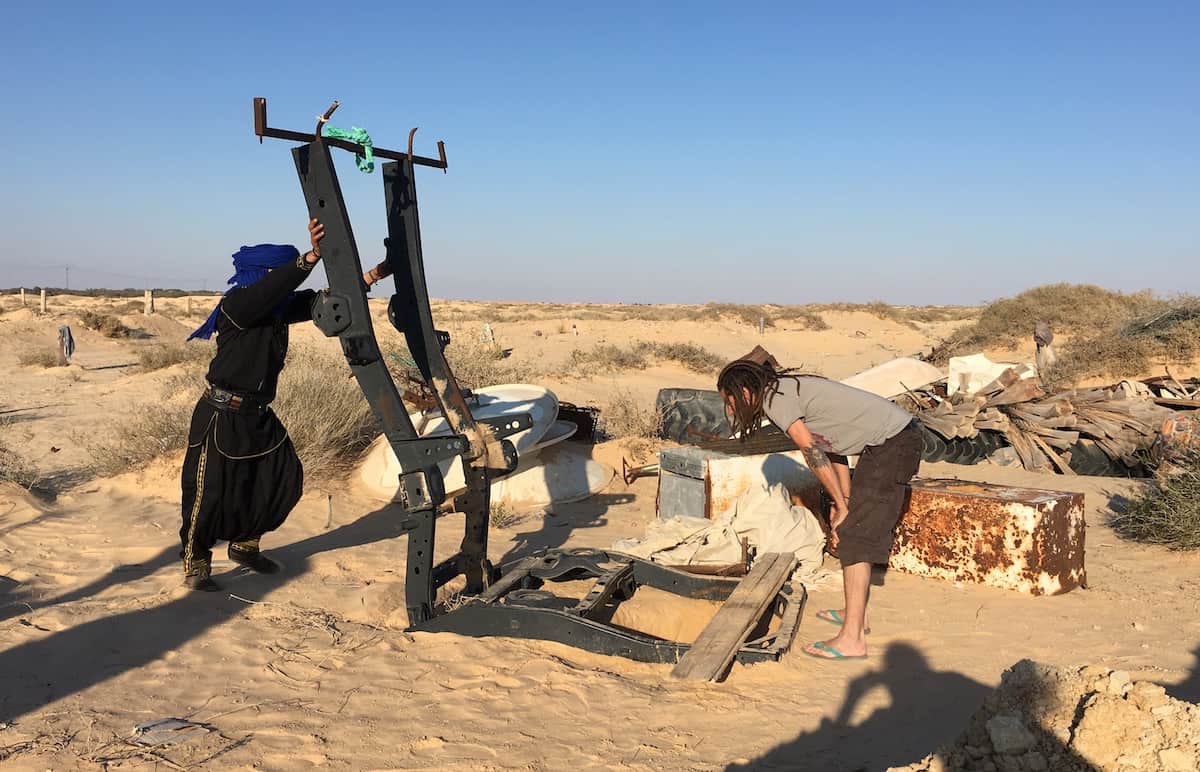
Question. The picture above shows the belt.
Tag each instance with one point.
(227, 400)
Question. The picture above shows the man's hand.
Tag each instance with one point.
(837, 515)
(316, 232)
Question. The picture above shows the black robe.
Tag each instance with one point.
(241, 476)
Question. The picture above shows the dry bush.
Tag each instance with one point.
(606, 357)
(40, 358)
(609, 357)
(940, 313)
(158, 357)
(1168, 514)
(13, 468)
(153, 430)
(477, 364)
(324, 410)
(624, 415)
(106, 324)
(318, 401)
(811, 319)
(1074, 309)
(1167, 333)
(130, 307)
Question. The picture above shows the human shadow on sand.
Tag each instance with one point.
(39, 672)
(928, 708)
(1189, 688)
(14, 603)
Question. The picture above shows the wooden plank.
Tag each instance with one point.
(1021, 391)
(711, 655)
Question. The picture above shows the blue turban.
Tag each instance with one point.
(250, 264)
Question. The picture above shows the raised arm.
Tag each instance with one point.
(246, 306)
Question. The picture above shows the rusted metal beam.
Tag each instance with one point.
(261, 129)
(1022, 539)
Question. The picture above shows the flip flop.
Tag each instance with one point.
(831, 653)
(832, 616)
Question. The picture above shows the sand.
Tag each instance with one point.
(313, 668)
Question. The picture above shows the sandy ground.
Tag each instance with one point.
(313, 667)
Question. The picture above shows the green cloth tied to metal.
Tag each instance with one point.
(364, 159)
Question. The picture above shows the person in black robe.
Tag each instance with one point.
(241, 475)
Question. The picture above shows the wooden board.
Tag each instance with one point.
(711, 655)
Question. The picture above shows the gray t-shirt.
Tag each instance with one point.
(842, 419)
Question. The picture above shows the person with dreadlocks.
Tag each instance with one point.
(241, 475)
(828, 421)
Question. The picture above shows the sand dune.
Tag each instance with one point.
(313, 668)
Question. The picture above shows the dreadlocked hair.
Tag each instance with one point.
(746, 383)
(761, 380)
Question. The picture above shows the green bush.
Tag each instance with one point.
(1168, 514)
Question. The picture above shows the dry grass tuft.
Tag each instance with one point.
(106, 324)
(809, 318)
(41, 358)
(158, 357)
(13, 468)
(624, 415)
(1168, 514)
(503, 517)
(609, 357)
(324, 410)
(325, 413)
(477, 364)
(153, 430)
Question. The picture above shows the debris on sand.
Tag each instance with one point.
(1091, 718)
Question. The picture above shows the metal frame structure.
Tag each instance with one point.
(509, 602)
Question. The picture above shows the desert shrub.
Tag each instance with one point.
(810, 319)
(1074, 309)
(106, 324)
(40, 358)
(324, 410)
(1167, 514)
(940, 313)
(130, 307)
(607, 356)
(13, 468)
(477, 364)
(501, 516)
(624, 415)
(610, 357)
(138, 437)
(322, 407)
(158, 357)
(1167, 332)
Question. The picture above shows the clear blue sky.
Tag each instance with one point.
(631, 152)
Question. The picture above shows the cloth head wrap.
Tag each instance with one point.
(250, 264)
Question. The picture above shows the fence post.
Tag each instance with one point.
(22, 297)
(43, 300)
(149, 299)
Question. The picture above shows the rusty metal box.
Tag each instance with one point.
(1021, 539)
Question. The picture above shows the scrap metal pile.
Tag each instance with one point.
(1120, 430)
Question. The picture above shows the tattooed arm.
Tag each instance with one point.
(823, 469)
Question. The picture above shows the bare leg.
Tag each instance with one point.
(851, 640)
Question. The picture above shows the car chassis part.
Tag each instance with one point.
(511, 601)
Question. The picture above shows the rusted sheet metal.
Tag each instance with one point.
(1021, 539)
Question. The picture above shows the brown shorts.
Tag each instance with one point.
(878, 493)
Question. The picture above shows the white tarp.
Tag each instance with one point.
(893, 378)
(971, 373)
(764, 516)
